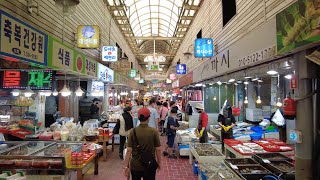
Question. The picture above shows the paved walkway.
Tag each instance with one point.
(172, 169)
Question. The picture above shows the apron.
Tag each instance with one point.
(204, 137)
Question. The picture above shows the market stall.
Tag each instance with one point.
(39, 158)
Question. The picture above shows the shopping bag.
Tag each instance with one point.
(278, 119)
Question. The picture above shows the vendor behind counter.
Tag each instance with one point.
(227, 122)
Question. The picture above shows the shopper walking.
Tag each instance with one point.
(227, 122)
(126, 123)
(163, 115)
(154, 116)
(201, 130)
(143, 152)
(135, 108)
(94, 109)
(172, 128)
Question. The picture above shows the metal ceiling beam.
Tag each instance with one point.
(190, 7)
(183, 25)
(155, 38)
(187, 18)
(118, 8)
(120, 17)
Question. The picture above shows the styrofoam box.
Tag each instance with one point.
(254, 114)
(272, 135)
(207, 159)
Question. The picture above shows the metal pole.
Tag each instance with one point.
(304, 122)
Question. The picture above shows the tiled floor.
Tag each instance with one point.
(172, 169)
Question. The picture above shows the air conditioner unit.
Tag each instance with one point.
(68, 6)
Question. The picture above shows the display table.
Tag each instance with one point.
(228, 149)
(104, 145)
(215, 132)
(81, 170)
(215, 157)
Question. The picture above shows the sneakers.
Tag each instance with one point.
(172, 156)
(164, 153)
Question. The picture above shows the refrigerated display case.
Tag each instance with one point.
(44, 157)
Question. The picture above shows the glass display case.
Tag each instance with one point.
(37, 157)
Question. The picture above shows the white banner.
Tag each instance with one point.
(150, 77)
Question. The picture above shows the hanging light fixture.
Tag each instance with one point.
(231, 80)
(45, 93)
(55, 93)
(65, 91)
(79, 92)
(28, 92)
(279, 103)
(15, 92)
(259, 98)
(215, 98)
(219, 83)
(272, 71)
(246, 83)
(289, 76)
(246, 100)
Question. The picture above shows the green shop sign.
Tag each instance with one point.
(298, 25)
(132, 73)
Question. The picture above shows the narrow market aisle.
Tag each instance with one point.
(172, 169)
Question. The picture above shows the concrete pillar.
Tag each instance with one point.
(304, 122)
(105, 102)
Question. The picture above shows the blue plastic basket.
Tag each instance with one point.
(255, 136)
(195, 168)
(257, 129)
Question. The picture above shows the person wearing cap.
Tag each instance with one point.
(126, 123)
(227, 122)
(149, 140)
(94, 108)
(202, 125)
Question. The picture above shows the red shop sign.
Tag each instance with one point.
(294, 82)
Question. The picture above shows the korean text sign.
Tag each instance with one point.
(132, 73)
(109, 53)
(203, 48)
(181, 68)
(88, 36)
(105, 74)
(60, 55)
(22, 41)
(41, 79)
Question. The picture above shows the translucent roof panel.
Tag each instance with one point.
(158, 17)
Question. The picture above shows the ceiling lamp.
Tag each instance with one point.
(198, 85)
(45, 93)
(55, 93)
(79, 92)
(247, 77)
(232, 80)
(260, 80)
(215, 98)
(246, 83)
(239, 81)
(15, 92)
(289, 76)
(28, 92)
(246, 100)
(279, 103)
(236, 84)
(255, 79)
(272, 72)
(259, 100)
(219, 83)
(65, 91)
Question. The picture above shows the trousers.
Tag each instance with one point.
(146, 175)
(122, 143)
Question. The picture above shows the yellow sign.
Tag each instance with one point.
(88, 36)
(22, 41)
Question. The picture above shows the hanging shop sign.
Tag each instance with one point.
(186, 79)
(132, 73)
(294, 82)
(255, 49)
(175, 84)
(150, 77)
(109, 53)
(91, 67)
(203, 48)
(141, 81)
(168, 81)
(137, 78)
(60, 55)
(36, 79)
(173, 76)
(297, 28)
(181, 69)
(79, 62)
(105, 74)
(95, 88)
(88, 36)
(153, 65)
(22, 41)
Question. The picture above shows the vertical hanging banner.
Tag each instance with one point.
(109, 53)
(181, 68)
(22, 41)
(88, 36)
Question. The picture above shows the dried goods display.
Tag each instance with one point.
(206, 153)
(216, 171)
(271, 157)
(206, 150)
(240, 161)
(283, 166)
(252, 169)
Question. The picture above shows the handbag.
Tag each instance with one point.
(116, 127)
(147, 159)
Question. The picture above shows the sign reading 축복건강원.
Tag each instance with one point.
(22, 41)
(88, 36)
(109, 53)
(203, 48)
(41, 79)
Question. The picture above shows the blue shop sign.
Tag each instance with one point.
(22, 41)
(203, 48)
(181, 69)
